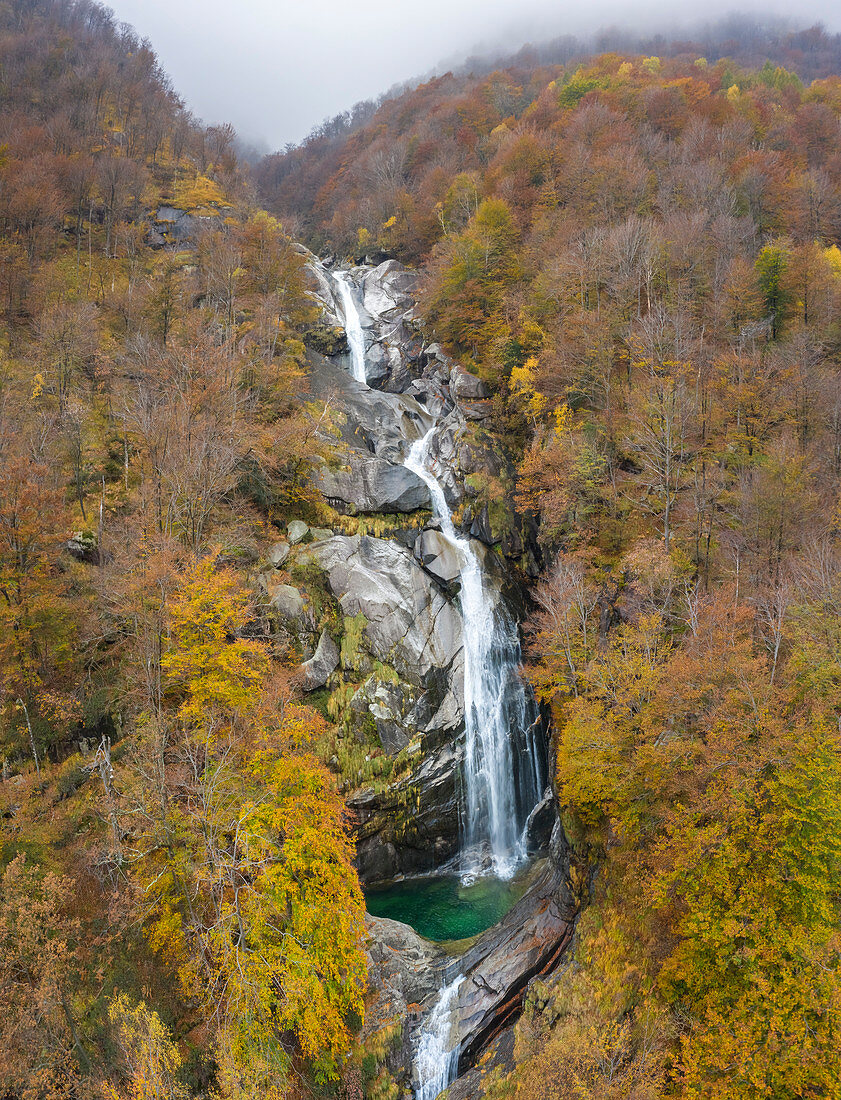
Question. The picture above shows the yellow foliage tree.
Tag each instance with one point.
(523, 387)
(151, 1060)
(200, 195)
(208, 668)
(247, 867)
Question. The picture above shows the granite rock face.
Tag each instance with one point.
(413, 827)
(409, 621)
(318, 668)
(373, 485)
(402, 591)
(528, 942)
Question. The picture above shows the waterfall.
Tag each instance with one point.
(503, 762)
(436, 1061)
(353, 325)
(500, 790)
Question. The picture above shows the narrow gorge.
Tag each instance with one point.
(421, 668)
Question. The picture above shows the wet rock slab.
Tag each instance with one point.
(529, 941)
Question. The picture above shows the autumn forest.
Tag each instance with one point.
(629, 267)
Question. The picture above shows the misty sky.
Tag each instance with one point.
(275, 68)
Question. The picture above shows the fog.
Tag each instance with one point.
(275, 68)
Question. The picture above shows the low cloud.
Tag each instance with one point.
(276, 69)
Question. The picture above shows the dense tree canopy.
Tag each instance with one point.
(178, 905)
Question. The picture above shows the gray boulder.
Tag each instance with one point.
(465, 386)
(438, 556)
(540, 822)
(296, 530)
(410, 623)
(287, 601)
(318, 668)
(373, 485)
(278, 554)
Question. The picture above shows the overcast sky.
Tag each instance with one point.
(275, 68)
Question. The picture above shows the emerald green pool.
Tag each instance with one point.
(441, 908)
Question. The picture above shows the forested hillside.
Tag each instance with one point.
(640, 256)
(151, 385)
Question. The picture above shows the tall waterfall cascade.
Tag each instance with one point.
(499, 792)
(353, 325)
(503, 771)
(436, 1062)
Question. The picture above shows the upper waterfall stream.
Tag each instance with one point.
(353, 326)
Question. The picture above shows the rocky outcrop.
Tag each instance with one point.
(438, 556)
(393, 349)
(287, 601)
(171, 226)
(318, 668)
(375, 431)
(410, 623)
(403, 967)
(372, 485)
(83, 546)
(541, 823)
(413, 827)
(296, 530)
(403, 973)
(465, 386)
(528, 942)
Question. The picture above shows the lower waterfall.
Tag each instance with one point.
(436, 1062)
(499, 790)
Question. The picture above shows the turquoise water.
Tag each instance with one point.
(441, 908)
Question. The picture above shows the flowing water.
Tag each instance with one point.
(436, 1062)
(353, 325)
(499, 790)
(503, 776)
